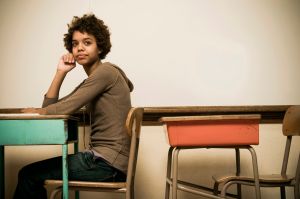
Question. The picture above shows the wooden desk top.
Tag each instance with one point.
(20, 116)
(269, 113)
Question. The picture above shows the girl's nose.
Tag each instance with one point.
(80, 47)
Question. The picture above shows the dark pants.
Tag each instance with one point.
(81, 166)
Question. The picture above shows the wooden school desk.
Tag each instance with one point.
(33, 129)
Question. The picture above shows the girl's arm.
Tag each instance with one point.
(66, 64)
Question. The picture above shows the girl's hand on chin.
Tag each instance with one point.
(66, 63)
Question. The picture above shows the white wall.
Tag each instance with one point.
(191, 52)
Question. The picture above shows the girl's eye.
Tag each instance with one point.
(74, 44)
(87, 43)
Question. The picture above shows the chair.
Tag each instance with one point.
(216, 131)
(290, 128)
(133, 125)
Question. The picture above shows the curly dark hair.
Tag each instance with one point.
(90, 24)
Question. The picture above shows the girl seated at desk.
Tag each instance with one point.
(105, 93)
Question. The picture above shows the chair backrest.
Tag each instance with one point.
(291, 121)
(133, 125)
(290, 127)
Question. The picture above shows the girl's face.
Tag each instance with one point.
(84, 48)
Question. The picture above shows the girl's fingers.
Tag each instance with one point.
(68, 58)
(65, 58)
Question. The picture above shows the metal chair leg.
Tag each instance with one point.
(282, 192)
(130, 192)
(216, 189)
(225, 187)
(296, 191)
(175, 173)
(238, 171)
(168, 177)
(55, 192)
(297, 183)
(255, 172)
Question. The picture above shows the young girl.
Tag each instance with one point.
(106, 95)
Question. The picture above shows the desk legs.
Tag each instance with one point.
(65, 171)
(64, 165)
(76, 151)
(2, 180)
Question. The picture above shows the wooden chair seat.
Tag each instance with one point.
(273, 178)
(108, 185)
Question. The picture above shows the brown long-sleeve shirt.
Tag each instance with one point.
(106, 94)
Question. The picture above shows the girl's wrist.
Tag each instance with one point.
(61, 72)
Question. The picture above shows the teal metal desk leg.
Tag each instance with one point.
(65, 171)
(2, 180)
(75, 151)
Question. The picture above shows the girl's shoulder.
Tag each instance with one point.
(108, 67)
